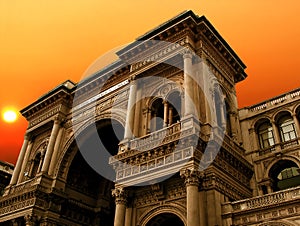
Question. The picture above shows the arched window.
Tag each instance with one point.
(157, 115)
(286, 128)
(36, 165)
(265, 135)
(285, 174)
(165, 112)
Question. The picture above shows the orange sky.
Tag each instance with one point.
(43, 43)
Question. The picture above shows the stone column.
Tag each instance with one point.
(253, 139)
(26, 157)
(50, 147)
(276, 134)
(121, 200)
(171, 115)
(29, 220)
(233, 126)
(188, 84)
(130, 110)
(192, 196)
(297, 127)
(223, 116)
(166, 111)
(17, 169)
(56, 151)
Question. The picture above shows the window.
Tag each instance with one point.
(36, 165)
(157, 115)
(265, 135)
(165, 112)
(287, 128)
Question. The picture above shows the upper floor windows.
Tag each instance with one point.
(282, 129)
(165, 112)
(286, 128)
(265, 135)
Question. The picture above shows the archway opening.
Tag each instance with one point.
(165, 219)
(89, 178)
(284, 174)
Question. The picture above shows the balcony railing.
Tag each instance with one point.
(268, 200)
(280, 146)
(156, 138)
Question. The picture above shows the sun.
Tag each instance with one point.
(9, 115)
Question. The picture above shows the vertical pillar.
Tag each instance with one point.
(192, 196)
(148, 120)
(56, 151)
(277, 139)
(166, 111)
(253, 139)
(137, 114)
(17, 169)
(26, 157)
(121, 199)
(223, 116)
(130, 110)
(233, 125)
(128, 216)
(188, 84)
(171, 115)
(50, 147)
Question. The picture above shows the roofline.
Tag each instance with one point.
(60, 87)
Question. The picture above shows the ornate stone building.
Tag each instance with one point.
(156, 138)
(6, 170)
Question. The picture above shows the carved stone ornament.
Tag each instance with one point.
(120, 195)
(191, 176)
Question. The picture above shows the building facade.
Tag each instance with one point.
(156, 138)
(6, 170)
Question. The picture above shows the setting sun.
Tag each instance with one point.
(9, 115)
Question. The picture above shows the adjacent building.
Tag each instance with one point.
(156, 138)
(6, 170)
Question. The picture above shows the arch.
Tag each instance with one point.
(280, 113)
(175, 209)
(70, 149)
(284, 157)
(284, 174)
(163, 91)
(264, 130)
(165, 219)
(286, 126)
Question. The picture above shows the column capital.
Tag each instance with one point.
(191, 177)
(30, 219)
(187, 53)
(120, 195)
(58, 119)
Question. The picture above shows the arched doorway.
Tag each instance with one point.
(89, 191)
(165, 219)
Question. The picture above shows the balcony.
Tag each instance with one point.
(279, 147)
(277, 205)
(158, 154)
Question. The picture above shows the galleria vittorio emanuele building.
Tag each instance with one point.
(156, 138)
